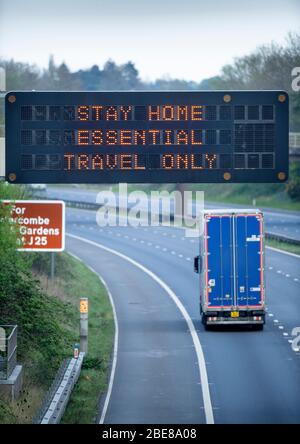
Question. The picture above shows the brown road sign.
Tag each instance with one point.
(41, 224)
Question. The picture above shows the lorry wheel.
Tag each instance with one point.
(204, 322)
(258, 327)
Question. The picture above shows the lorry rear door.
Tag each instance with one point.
(248, 259)
(219, 261)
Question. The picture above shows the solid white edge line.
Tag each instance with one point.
(283, 251)
(116, 340)
(199, 352)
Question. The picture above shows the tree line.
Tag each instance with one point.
(268, 67)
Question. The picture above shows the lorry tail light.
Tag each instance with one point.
(257, 318)
(212, 318)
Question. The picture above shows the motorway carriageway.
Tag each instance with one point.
(280, 222)
(159, 370)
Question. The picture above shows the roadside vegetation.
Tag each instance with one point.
(295, 249)
(47, 316)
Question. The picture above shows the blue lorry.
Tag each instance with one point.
(231, 268)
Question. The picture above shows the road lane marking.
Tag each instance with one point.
(283, 252)
(209, 416)
(115, 353)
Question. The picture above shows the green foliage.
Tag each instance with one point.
(268, 67)
(23, 303)
(293, 185)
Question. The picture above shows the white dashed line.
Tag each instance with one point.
(281, 327)
(157, 246)
(195, 337)
(164, 249)
(296, 279)
(173, 252)
(149, 244)
(188, 258)
(180, 255)
(285, 334)
(270, 268)
(279, 271)
(276, 321)
(271, 315)
(287, 275)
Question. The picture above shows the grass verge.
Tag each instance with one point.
(73, 280)
(82, 408)
(283, 246)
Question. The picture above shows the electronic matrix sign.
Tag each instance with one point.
(110, 137)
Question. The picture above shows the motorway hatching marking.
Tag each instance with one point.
(209, 416)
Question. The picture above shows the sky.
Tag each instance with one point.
(186, 39)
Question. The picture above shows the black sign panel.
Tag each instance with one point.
(110, 137)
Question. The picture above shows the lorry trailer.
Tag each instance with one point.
(231, 268)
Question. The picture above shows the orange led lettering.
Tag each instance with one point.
(111, 113)
(97, 162)
(196, 112)
(83, 112)
(111, 137)
(182, 137)
(211, 160)
(168, 112)
(82, 162)
(125, 162)
(194, 165)
(154, 133)
(182, 112)
(111, 161)
(136, 163)
(97, 137)
(182, 161)
(168, 140)
(69, 158)
(82, 137)
(125, 112)
(153, 112)
(125, 137)
(139, 137)
(193, 141)
(168, 161)
(97, 109)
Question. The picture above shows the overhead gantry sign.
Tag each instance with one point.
(144, 137)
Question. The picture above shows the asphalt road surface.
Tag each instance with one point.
(253, 376)
(280, 222)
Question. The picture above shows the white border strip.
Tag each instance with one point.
(278, 250)
(200, 356)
